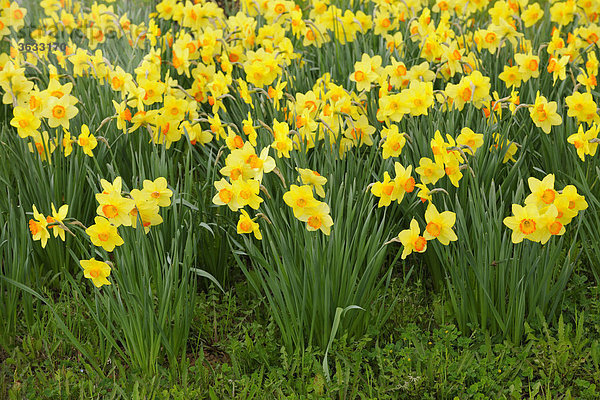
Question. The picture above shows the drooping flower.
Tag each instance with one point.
(38, 227)
(59, 111)
(542, 192)
(394, 142)
(585, 142)
(387, 191)
(87, 141)
(246, 193)
(115, 208)
(429, 171)
(158, 191)
(57, 219)
(412, 240)
(248, 225)
(25, 121)
(313, 178)
(469, 138)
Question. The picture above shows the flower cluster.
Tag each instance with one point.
(244, 169)
(546, 211)
(139, 207)
(114, 210)
(438, 226)
(448, 160)
(305, 206)
(234, 83)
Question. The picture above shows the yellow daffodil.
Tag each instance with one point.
(97, 271)
(412, 240)
(247, 225)
(439, 225)
(312, 178)
(87, 141)
(104, 234)
(300, 198)
(318, 218)
(38, 227)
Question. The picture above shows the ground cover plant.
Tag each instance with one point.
(324, 199)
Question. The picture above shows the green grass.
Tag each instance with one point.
(233, 353)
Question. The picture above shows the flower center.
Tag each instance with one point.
(225, 195)
(116, 82)
(58, 112)
(39, 146)
(236, 173)
(555, 227)
(409, 185)
(103, 236)
(126, 115)
(110, 211)
(388, 189)
(527, 226)
(238, 142)
(548, 196)
(533, 65)
(420, 243)
(34, 227)
(466, 94)
(434, 229)
(542, 114)
(245, 194)
(490, 37)
(314, 221)
(450, 170)
(301, 202)
(246, 226)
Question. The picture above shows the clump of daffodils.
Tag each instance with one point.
(308, 209)
(244, 170)
(438, 225)
(139, 208)
(546, 211)
(448, 160)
